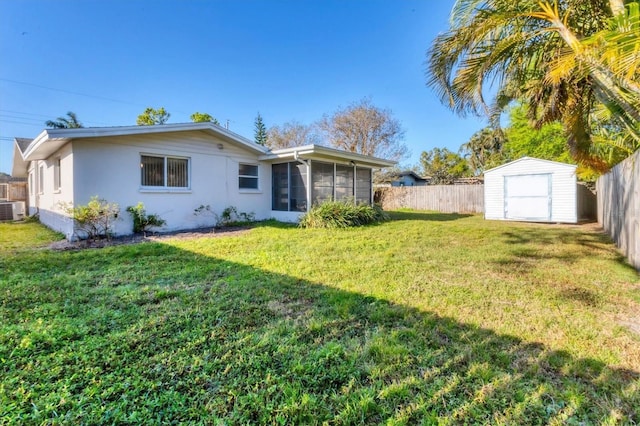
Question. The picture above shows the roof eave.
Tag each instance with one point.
(328, 154)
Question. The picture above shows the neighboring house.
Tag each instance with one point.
(176, 168)
(530, 189)
(406, 178)
(409, 178)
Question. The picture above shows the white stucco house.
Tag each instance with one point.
(531, 189)
(176, 168)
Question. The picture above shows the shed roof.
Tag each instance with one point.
(556, 163)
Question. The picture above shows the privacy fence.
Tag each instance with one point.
(619, 206)
(13, 191)
(441, 198)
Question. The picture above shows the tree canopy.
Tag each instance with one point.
(365, 129)
(443, 166)
(152, 116)
(292, 134)
(203, 117)
(68, 122)
(562, 60)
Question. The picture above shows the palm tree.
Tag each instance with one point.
(69, 122)
(535, 53)
(483, 150)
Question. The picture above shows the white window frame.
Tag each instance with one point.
(165, 188)
(256, 177)
(41, 179)
(32, 189)
(57, 176)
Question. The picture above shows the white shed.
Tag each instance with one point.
(530, 189)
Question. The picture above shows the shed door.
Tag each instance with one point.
(527, 197)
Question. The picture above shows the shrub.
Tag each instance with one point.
(342, 214)
(142, 222)
(95, 218)
(229, 216)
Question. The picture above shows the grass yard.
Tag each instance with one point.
(427, 319)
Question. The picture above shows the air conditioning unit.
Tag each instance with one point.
(13, 210)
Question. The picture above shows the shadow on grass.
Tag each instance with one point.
(151, 333)
(523, 240)
(426, 216)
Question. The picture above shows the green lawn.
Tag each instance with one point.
(427, 319)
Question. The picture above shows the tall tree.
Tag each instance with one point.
(548, 142)
(484, 150)
(152, 116)
(292, 134)
(68, 122)
(443, 166)
(535, 53)
(366, 129)
(203, 117)
(260, 131)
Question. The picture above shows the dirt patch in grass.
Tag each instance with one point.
(136, 239)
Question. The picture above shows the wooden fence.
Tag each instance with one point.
(13, 191)
(619, 206)
(442, 198)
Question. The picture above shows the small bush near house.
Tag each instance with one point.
(229, 216)
(142, 222)
(95, 218)
(342, 214)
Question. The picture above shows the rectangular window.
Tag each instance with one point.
(363, 185)
(344, 183)
(41, 180)
(322, 181)
(289, 186)
(164, 172)
(248, 176)
(31, 183)
(56, 175)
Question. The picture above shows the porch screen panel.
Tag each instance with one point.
(344, 182)
(298, 200)
(152, 169)
(363, 185)
(322, 182)
(280, 185)
(177, 172)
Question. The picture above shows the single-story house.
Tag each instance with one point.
(176, 168)
(531, 189)
(409, 178)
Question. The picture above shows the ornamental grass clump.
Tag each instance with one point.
(342, 214)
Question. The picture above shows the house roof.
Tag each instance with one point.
(320, 153)
(413, 174)
(19, 166)
(50, 140)
(529, 159)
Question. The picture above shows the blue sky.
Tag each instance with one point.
(289, 60)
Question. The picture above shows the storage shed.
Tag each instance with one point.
(530, 189)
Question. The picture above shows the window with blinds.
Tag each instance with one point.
(248, 176)
(164, 172)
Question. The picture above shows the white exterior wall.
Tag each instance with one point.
(110, 169)
(563, 188)
(48, 201)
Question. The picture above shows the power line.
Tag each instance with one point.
(24, 83)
